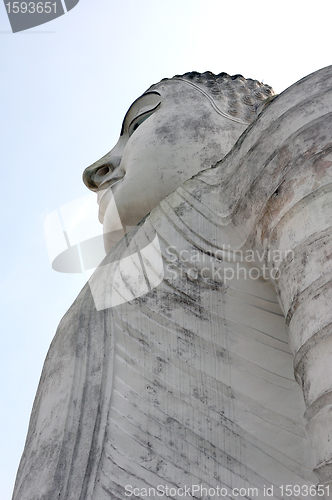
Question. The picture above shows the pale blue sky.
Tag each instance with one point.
(65, 88)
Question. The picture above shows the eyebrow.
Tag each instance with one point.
(135, 104)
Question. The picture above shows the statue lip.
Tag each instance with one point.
(105, 195)
(104, 187)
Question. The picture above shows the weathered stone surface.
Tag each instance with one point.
(192, 383)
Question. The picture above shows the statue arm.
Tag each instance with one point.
(297, 229)
(272, 193)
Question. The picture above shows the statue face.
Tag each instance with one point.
(169, 134)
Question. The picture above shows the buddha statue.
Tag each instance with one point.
(187, 390)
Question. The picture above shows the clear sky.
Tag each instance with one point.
(65, 87)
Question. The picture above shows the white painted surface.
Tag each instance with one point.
(192, 383)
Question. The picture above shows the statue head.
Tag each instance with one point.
(177, 128)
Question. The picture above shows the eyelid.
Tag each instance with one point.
(148, 113)
(143, 98)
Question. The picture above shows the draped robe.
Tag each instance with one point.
(193, 382)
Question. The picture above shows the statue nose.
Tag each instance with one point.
(99, 171)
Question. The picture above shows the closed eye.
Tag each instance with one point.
(138, 120)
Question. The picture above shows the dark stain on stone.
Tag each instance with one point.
(167, 134)
(181, 209)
